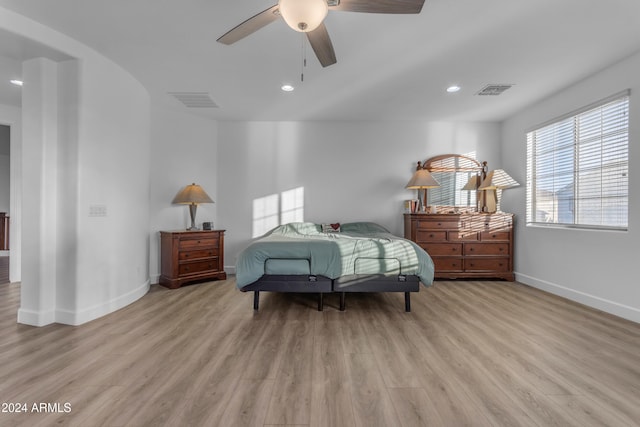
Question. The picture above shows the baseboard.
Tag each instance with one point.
(36, 318)
(230, 269)
(611, 307)
(75, 318)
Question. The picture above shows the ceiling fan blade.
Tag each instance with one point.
(380, 6)
(321, 44)
(251, 25)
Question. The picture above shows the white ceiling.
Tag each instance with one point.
(390, 67)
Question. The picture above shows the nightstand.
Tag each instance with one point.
(189, 256)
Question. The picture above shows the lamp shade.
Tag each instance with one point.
(422, 179)
(303, 15)
(498, 179)
(192, 194)
(472, 184)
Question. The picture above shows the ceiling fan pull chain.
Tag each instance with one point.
(303, 51)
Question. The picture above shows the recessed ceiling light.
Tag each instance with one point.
(287, 88)
(16, 82)
(454, 88)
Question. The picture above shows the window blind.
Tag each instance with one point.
(577, 168)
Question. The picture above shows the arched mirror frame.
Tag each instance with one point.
(459, 177)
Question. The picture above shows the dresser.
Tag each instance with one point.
(465, 245)
(189, 256)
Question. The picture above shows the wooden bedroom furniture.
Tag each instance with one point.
(462, 237)
(465, 245)
(189, 256)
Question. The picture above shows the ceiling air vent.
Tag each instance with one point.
(493, 90)
(194, 99)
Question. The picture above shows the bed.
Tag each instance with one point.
(353, 257)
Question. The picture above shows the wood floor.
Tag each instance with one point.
(471, 353)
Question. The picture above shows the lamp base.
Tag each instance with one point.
(192, 213)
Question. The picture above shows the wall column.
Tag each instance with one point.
(39, 192)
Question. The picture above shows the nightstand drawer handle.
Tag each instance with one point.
(186, 268)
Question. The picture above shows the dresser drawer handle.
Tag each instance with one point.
(501, 249)
(431, 235)
(198, 241)
(493, 236)
(186, 255)
(470, 249)
(210, 265)
(186, 268)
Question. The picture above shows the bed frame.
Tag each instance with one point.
(343, 285)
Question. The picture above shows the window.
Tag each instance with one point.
(577, 168)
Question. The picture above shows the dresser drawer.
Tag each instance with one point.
(198, 242)
(431, 236)
(436, 249)
(198, 266)
(487, 264)
(486, 249)
(437, 225)
(442, 264)
(197, 254)
(487, 236)
(463, 236)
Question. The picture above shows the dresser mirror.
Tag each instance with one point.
(459, 177)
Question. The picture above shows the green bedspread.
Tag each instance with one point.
(359, 248)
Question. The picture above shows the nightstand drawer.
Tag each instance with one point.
(486, 249)
(197, 254)
(487, 264)
(198, 266)
(198, 242)
(436, 249)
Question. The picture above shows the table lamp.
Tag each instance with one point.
(192, 195)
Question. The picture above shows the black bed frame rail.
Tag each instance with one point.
(342, 285)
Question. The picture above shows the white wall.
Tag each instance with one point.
(597, 268)
(88, 138)
(350, 171)
(184, 151)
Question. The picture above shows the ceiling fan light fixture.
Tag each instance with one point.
(303, 15)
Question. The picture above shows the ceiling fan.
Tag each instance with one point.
(307, 16)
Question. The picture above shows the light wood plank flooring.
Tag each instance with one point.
(471, 353)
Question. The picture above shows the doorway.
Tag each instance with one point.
(5, 190)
